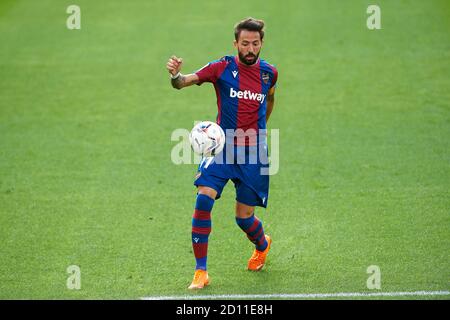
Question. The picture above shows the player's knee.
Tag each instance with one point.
(210, 192)
(244, 211)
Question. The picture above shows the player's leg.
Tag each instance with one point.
(201, 228)
(251, 225)
(201, 224)
(210, 180)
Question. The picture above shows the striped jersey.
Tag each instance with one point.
(241, 92)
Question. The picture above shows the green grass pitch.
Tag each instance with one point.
(86, 176)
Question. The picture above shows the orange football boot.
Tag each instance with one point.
(201, 279)
(258, 258)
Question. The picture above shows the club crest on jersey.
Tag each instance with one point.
(265, 77)
(247, 95)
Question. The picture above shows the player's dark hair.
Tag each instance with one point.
(249, 24)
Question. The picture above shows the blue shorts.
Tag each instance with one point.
(246, 166)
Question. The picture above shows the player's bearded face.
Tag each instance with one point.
(248, 46)
(248, 58)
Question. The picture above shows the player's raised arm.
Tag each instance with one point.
(179, 80)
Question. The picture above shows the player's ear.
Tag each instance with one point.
(235, 44)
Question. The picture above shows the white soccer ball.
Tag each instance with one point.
(207, 138)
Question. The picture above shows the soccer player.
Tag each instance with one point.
(245, 89)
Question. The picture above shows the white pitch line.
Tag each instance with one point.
(301, 295)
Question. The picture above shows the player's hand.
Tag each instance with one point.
(174, 65)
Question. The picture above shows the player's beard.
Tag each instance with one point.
(244, 58)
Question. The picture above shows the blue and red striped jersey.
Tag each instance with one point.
(241, 91)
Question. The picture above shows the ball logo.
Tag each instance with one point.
(248, 95)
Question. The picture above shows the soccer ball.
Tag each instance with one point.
(207, 138)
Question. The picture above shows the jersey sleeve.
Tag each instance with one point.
(211, 72)
(274, 77)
